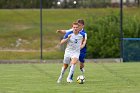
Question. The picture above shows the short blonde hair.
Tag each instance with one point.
(75, 23)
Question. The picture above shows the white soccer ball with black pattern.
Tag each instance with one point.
(81, 79)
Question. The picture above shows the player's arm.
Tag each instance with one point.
(64, 31)
(84, 41)
(61, 31)
(65, 40)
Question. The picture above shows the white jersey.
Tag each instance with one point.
(75, 41)
(69, 30)
(73, 44)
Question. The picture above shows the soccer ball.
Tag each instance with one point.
(81, 79)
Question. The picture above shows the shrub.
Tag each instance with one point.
(104, 34)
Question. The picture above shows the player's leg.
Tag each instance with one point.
(82, 61)
(72, 74)
(71, 77)
(82, 67)
(64, 67)
(72, 68)
(66, 61)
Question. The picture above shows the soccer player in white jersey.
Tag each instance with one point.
(83, 50)
(75, 41)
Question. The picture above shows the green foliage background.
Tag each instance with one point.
(104, 34)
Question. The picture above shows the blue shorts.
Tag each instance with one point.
(82, 57)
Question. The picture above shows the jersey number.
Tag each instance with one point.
(75, 41)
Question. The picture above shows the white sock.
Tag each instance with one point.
(71, 71)
(62, 72)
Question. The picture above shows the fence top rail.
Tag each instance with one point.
(131, 38)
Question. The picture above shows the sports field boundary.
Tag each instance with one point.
(106, 60)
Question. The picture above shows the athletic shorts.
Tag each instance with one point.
(82, 57)
(68, 56)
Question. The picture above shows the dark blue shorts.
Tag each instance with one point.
(82, 57)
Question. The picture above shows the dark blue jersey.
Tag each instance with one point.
(84, 49)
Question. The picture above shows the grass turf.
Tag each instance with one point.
(41, 78)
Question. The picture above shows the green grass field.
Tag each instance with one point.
(41, 78)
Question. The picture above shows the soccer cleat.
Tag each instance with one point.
(82, 70)
(69, 80)
(59, 79)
